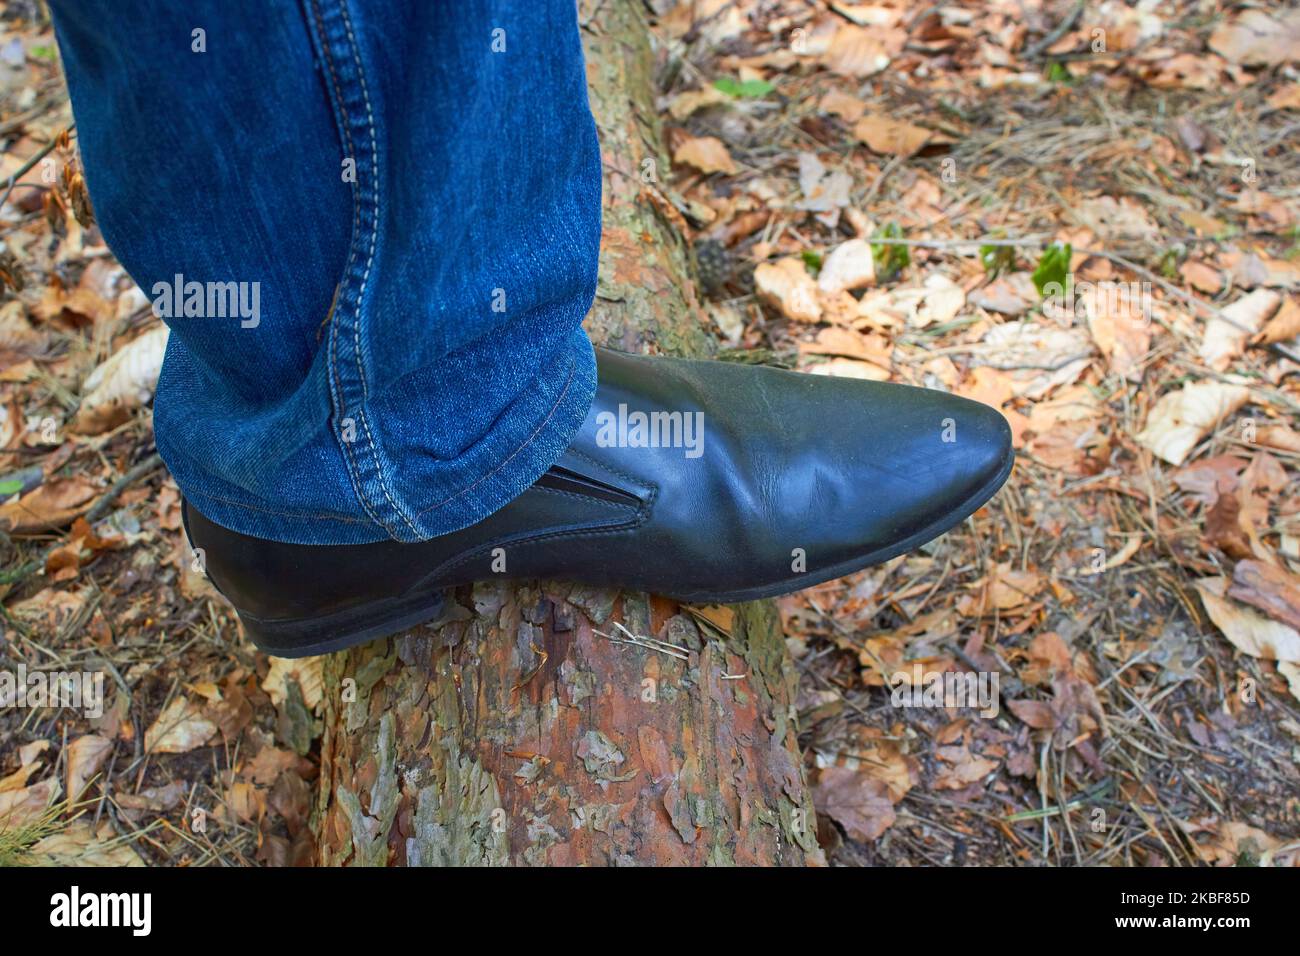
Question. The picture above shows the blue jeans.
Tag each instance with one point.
(372, 227)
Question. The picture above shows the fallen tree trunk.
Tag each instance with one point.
(511, 731)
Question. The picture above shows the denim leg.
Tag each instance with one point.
(409, 193)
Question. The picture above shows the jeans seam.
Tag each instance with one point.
(354, 312)
(337, 391)
(365, 275)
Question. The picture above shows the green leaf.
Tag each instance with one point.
(749, 89)
(44, 52)
(8, 488)
(812, 261)
(889, 258)
(1053, 267)
(996, 258)
(1057, 73)
(1168, 265)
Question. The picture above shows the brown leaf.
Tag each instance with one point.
(152, 799)
(85, 756)
(81, 845)
(848, 266)
(1284, 326)
(892, 137)
(858, 803)
(21, 807)
(180, 728)
(1225, 340)
(860, 52)
(1271, 589)
(1182, 418)
(708, 154)
(123, 383)
(1259, 38)
(52, 505)
(1201, 277)
(966, 768)
(1248, 630)
(1210, 477)
(787, 285)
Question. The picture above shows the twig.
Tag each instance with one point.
(1061, 30)
(94, 514)
(26, 167)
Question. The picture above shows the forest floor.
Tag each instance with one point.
(886, 191)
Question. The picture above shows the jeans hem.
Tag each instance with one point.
(441, 506)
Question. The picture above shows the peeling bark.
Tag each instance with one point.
(511, 732)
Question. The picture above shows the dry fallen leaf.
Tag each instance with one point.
(787, 285)
(892, 137)
(307, 671)
(708, 154)
(1182, 418)
(1013, 294)
(1247, 629)
(123, 383)
(851, 368)
(21, 807)
(841, 104)
(1225, 338)
(81, 845)
(1259, 38)
(1268, 587)
(1284, 325)
(51, 505)
(848, 266)
(1119, 327)
(858, 803)
(1201, 277)
(180, 728)
(85, 756)
(1038, 357)
(963, 767)
(860, 52)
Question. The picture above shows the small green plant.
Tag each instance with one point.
(746, 90)
(1168, 264)
(889, 258)
(1053, 267)
(1057, 73)
(812, 261)
(997, 259)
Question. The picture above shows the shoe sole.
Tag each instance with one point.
(379, 619)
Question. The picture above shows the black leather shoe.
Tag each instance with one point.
(703, 481)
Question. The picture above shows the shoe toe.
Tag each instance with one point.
(905, 466)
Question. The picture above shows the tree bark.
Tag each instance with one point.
(517, 729)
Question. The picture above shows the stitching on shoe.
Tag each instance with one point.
(642, 518)
(618, 471)
(592, 498)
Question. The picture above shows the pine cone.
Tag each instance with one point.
(714, 263)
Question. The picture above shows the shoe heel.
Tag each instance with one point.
(308, 637)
